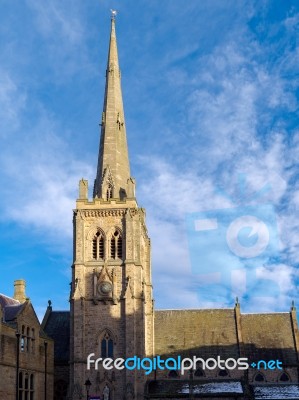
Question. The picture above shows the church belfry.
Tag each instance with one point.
(111, 292)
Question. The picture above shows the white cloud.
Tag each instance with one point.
(54, 19)
(292, 22)
(169, 194)
(12, 102)
(43, 176)
(226, 112)
(64, 48)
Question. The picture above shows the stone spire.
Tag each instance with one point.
(113, 171)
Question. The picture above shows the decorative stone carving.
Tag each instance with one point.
(104, 213)
(109, 213)
(104, 286)
(106, 393)
(128, 288)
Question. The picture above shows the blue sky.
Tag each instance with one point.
(211, 101)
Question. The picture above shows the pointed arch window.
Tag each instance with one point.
(98, 246)
(107, 346)
(284, 377)
(199, 373)
(116, 246)
(223, 373)
(173, 374)
(259, 377)
(60, 389)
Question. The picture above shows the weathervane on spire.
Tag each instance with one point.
(113, 13)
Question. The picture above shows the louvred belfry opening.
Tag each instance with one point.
(98, 244)
(116, 245)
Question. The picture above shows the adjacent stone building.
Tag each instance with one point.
(112, 310)
(57, 326)
(26, 352)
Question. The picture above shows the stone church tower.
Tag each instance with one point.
(111, 294)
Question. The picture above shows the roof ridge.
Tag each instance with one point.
(9, 297)
(195, 309)
(266, 313)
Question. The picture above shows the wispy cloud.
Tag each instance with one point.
(59, 19)
(12, 102)
(40, 178)
(234, 123)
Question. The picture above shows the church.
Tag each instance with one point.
(112, 310)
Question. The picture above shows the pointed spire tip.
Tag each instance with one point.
(113, 14)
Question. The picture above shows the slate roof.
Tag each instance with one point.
(57, 327)
(10, 307)
(7, 301)
(213, 332)
(196, 332)
(269, 336)
(11, 312)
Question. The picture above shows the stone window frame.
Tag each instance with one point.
(109, 192)
(32, 340)
(223, 373)
(26, 385)
(99, 236)
(27, 341)
(173, 374)
(116, 242)
(108, 336)
(279, 379)
(257, 379)
(199, 373)
(107, 346)
(60, 389)
(23, 339)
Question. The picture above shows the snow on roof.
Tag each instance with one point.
(7, 301)
(214, 387)
(276, 392)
